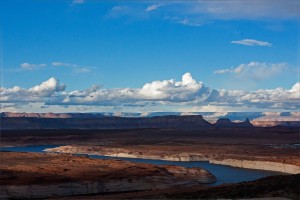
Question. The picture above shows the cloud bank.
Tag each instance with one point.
(160, 93)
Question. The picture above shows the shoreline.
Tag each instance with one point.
(183, 157)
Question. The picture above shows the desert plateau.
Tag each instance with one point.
(147, 161)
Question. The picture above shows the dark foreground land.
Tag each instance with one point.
(281, 187)
(35, 175)
(274, 144)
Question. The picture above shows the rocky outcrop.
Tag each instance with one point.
(245, 123)
(123, 153)
(261, 165)
(224, 122)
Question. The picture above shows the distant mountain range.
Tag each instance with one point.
(148, 120)
(209, 116)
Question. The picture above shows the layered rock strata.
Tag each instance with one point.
(52, 175)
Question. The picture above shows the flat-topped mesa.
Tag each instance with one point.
(91, 121)
(224, 122)
(176, 121)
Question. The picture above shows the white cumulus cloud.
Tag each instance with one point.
(295, 91)
(169, 90)
(47, 88)
(38, 93)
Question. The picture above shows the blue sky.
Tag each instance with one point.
(247, 46)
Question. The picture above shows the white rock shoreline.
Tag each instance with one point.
(184, 157)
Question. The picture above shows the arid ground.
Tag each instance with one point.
(274, 144)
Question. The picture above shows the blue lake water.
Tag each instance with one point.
(37, 149)
(224, 174)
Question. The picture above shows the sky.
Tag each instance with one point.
(149, 56)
